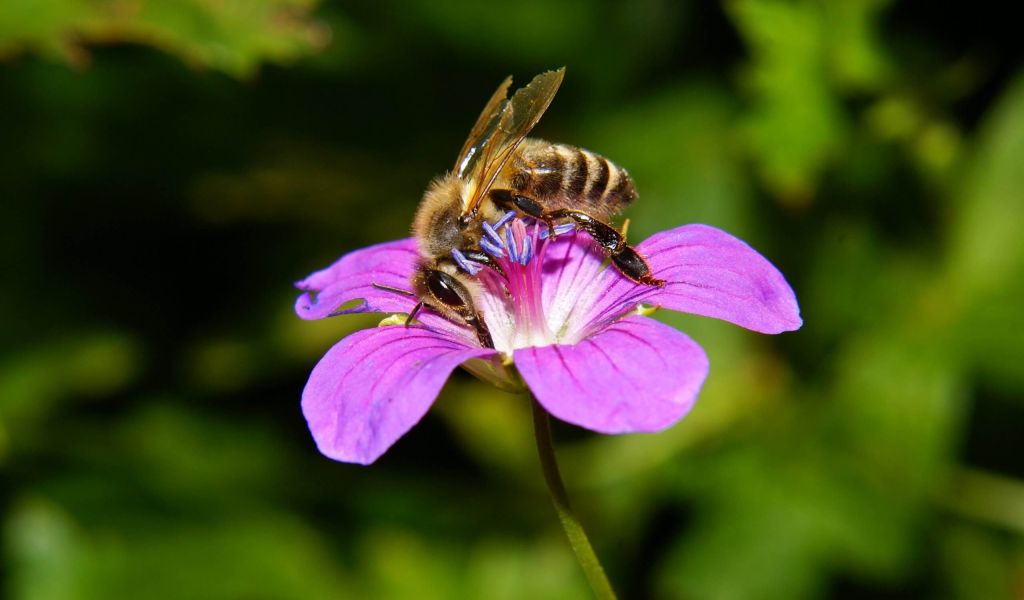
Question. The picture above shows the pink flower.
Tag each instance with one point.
(572, 328)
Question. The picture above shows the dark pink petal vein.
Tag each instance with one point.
(636, 375)
(714, 274)
(374, 385)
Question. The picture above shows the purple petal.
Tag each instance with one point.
(636, 375)
(573, 282)
(714, 274)
(352, 277)
(374, 385)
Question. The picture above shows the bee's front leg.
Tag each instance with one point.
(528, 206)
(482, 258)
(474, 320)
(605, 235)
(626, 259)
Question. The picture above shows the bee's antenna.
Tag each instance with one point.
(394, 289)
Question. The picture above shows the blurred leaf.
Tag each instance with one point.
(223, 364)
(987, 248)
(538, 25)
(162, 451)
(244, 555)
(975, 564)
(553, 33)
(200, 453)
(34, 382)
(894, 425)
(987, 498)
(231, 35)
(44, 552)
(796, 124)
(986, 261)
(494, 426)
(785, 506)
(506, 569)
(400, 564)
(856, 59)
(760, 530)
(318, 188)
(676, 145)
(989, 333)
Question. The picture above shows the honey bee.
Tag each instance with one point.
(499, 169)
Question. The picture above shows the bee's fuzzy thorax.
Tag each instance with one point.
(435, 225)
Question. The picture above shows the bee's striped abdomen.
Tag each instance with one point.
(560, 176)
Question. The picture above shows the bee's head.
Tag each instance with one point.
(449, 292)
(440, 225)
(442, 286)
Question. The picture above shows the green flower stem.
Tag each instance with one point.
(573, 530)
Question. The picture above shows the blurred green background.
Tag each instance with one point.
(169, 167)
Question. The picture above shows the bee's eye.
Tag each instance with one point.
(444, 288)
(464, 221)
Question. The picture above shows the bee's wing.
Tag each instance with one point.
(519, 116)
(482, 129)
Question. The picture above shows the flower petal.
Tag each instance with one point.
(352, 277)
(709, 272)
(573, 283)
(374, 385)
(636, 375)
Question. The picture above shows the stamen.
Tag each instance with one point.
(559, 230)
(510, 245)
(492, 234)
(527, 252)
(464, 263)
(504, 219)
(492, 248)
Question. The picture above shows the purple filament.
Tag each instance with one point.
(510, 245)
(491, 248)
(559, 230)
(464, 263)
(504, 219)
(492, 234)
(527, 253)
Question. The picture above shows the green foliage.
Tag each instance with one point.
(986, 247)
(807, 56)
(234, 36)
(153, 217)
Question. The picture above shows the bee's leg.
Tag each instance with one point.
(626, 259)
(508, 199)
(632, 264)
(412, 313)
(605, 235)
(482, 258)
(473, 319)
(528, 206)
